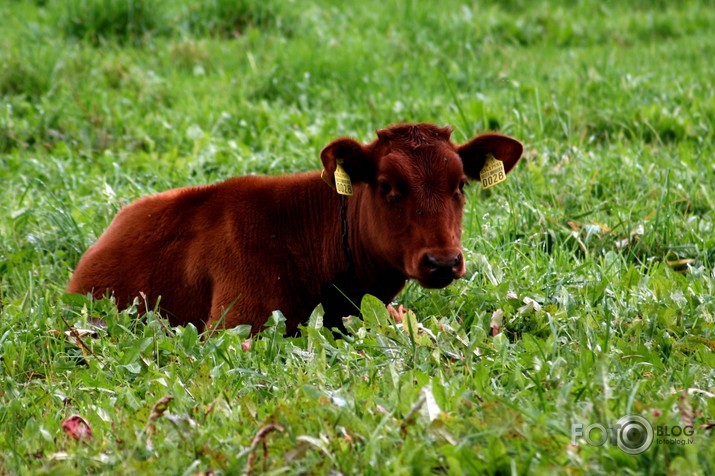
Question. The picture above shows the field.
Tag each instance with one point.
(595, 260)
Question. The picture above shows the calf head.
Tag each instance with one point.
(412, 194)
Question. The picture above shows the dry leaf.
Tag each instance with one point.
(496, 322)
(431, 407)
(397, 314)
(77, 427)
(529, 305)
(80, 333)
(633, 238)
(681, 265)
(160, 407)
(692, 391)
(260, 438)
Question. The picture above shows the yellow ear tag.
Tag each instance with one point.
(492, 173)
(342, 181)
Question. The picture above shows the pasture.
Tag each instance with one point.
(594, 261)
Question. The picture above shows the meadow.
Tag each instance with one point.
(595, 260)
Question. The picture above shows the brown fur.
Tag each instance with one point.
(230, 253)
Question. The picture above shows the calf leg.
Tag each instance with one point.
(224, 313)
(340, 298)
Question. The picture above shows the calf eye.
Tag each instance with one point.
(385, 186)
(460, 192)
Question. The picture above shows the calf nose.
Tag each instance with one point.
(438, 268)
(440, 264)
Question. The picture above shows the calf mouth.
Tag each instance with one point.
(437, 279)
(437, 268)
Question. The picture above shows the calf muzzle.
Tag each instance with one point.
(437, 270)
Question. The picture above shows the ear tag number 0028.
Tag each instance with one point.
(492, 173)
(342, 181)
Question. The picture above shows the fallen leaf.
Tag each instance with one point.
(183, 424)
(496, 321)
(97, 322)
(529, 305)
(160, 407)
(346, 435)
(74, 333)
(77, 427)
(59, 456)
(633, 237)
(692, 391)
(320, 443)
(260, 438)
(575, 225)
(681, 265)
(432, 409)
(397, 314)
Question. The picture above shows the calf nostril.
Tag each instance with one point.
(431, 262)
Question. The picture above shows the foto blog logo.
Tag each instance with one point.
(633, 434)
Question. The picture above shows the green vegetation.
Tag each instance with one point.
(598, 253)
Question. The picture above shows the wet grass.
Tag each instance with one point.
(595, 259)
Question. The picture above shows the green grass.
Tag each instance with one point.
(607, 225)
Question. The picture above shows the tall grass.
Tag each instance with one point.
(125, 21)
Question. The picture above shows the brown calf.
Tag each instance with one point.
(231, 253)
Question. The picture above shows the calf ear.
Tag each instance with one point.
(475, 152)
(353, 157)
